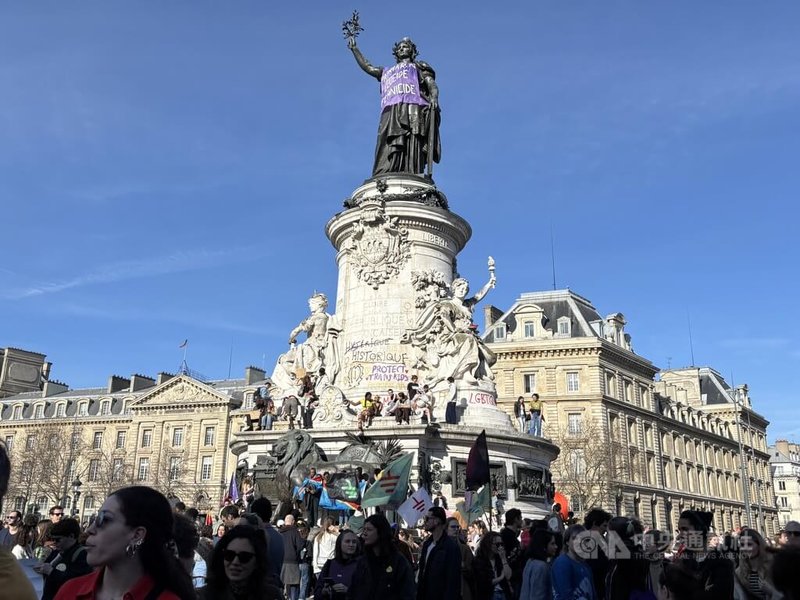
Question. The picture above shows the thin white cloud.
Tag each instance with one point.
(198, 321)
(187, 260)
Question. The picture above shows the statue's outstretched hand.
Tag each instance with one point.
(492, 280)
(351, 43)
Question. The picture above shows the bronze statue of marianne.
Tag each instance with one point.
(408, 133)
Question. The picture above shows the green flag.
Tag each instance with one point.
(391, 486)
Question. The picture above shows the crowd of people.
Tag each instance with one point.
(141, 546)
(298, 409)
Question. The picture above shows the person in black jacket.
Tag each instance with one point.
(715, 571)
(67, 561)
(439, 575)
(382, 572)
(492, 571)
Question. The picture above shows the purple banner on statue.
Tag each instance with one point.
(400, 85)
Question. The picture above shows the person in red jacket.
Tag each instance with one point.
(128, 546)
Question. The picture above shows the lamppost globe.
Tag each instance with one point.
(76, 489)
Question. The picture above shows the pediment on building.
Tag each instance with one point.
(180, 391)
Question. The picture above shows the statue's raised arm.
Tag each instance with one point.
(365, 65)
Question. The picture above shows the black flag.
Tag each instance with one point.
(478, 464)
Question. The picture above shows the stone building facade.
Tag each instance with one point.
(784, 462)
(633, 439)
(170, 432)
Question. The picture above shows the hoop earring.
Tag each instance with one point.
(132, 548)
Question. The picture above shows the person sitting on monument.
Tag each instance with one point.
(402, 411)
(367, 411)
(390, 404)
(423, 402)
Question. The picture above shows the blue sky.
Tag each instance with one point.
(167, 170)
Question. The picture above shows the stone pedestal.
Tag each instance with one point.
(393, 257)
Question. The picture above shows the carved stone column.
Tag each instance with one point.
(396, 250)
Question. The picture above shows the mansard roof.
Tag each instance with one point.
(554, 305)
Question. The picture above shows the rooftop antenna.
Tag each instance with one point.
(553, 255)
(669, 363)
(691, 344)
(230, 360)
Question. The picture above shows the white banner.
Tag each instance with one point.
(415, 507)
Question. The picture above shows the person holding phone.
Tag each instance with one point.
(336, 575)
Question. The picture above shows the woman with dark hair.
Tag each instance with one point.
(536, 577)
(336, 576)
(239, 568)
(492, 572)
(715, 571)
(381, 572)
(128, 541)
(627, 575)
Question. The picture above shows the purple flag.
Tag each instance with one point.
(478, 464)
(233, 489)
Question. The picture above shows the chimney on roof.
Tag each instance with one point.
(118, 384)
(51, 388)
(46, 368)
(490, 316)
(253, 374)
(163, 377)
(140, 382)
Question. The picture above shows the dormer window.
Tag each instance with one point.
(105, 407)
(83, 409)
(38, 411)
(530, 329)
(500, 332)
(61, 409)
(17, 413)
(564, 326)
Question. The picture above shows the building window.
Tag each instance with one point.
(38, 411)
(72, 469)
(573, 381)
(578, 463)
(17, 414)
(52, 441)
(782, 486)
(628, 391)
(30, 443)
(574, 424)
(174, 468)
(208, 465)
(208, 438)
(97, 440)
(500, 332)
(83, 409)
(611, 385)
(530, 329)
(117, 469)
(177, 437)
(105, 407)
(121, 436)
(144, 469)
(147, 438)
(529, 381)
(784, 502)
(88, 503)
(94, 469)
(633, 438)
(75, 440)
(564, 326)
(61, 410)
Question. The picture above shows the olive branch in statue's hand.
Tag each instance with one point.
(352, 27)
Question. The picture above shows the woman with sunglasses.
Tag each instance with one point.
(492, 572)
(239, 568)
(128, 546)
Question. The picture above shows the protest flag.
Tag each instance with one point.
(391, 485)
(478, 463)
(415, 507)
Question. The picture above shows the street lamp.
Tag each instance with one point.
(76, 495)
